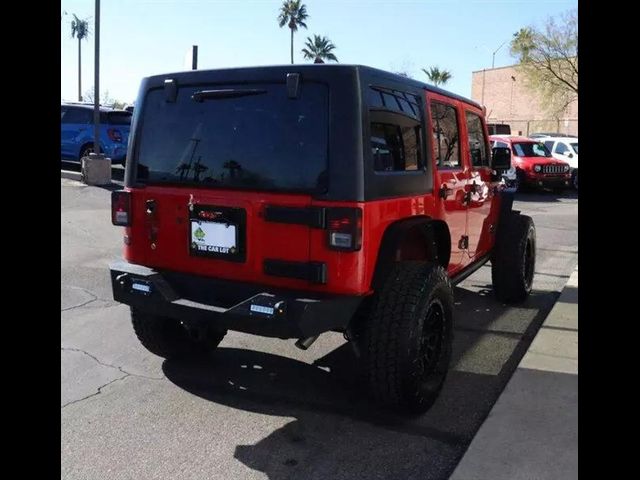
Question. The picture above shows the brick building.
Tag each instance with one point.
(507, 99)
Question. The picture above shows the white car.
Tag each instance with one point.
(565, 149)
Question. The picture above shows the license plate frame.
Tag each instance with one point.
(209, 217)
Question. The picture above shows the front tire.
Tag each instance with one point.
(514, 258)
(407, 340)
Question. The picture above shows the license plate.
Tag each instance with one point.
(213, 237)
(217, 232)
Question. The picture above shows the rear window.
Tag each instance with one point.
(119, 118)
(261, 141)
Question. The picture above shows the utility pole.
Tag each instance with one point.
(96, 169)
(96, 80)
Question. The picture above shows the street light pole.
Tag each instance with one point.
(493, 57)
(96, 168)
(96, 82)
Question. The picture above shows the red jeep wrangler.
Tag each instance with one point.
(290, 201)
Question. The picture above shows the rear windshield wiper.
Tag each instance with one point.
(203, 95)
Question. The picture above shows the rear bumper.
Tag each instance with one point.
(230, 305)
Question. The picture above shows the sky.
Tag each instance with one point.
(139, 38)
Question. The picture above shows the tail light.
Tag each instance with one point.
(114, 134)
(345, 228)
(121, 208)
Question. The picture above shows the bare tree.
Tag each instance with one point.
(106, 100)
(548, 60)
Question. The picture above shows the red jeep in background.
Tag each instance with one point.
(294, 200)
(534, 164)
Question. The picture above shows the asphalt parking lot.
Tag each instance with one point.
(260, 408)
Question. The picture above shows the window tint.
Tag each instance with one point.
(575, 147)
(395, 148)
(549, 144)
(477, 141)
(444, 126)
(77, 115)
(531, 149)
(260, 142)
(561, 148)
(388, 99)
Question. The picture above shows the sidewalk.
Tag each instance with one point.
(532, 431)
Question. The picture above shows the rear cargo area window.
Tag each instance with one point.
(395, 148)
(236, 136)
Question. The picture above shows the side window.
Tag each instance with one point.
(477, 141)
(549, 144)
(396, 130)
(77, 115)
(444, 125)
(501, 145)
(561, 148)
(395, 142)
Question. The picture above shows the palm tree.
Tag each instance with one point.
(293, 14)
(79, 30)
(319, 49)
(437, 76)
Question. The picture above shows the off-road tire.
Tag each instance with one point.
(166, 338)
(514, 258)
(406, 342)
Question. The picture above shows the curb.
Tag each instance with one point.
(531, 431)
(71, 175)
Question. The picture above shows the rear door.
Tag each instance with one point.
(451, 172)
(229, 172)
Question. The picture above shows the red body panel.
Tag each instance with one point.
(161, 240)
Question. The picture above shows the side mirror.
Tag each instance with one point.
(570, 155)
(501, 158)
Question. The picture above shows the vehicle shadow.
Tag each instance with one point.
(545, 195)
(336, 430)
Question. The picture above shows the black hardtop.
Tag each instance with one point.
(351, 175)
(278, 73)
